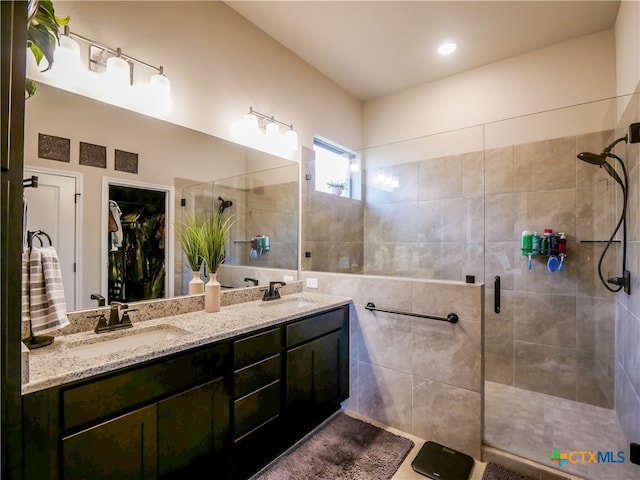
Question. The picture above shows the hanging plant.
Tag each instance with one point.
(42, 35)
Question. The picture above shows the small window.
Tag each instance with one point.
(337, 170)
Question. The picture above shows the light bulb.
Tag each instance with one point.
(67, 55)
(118, 71)
(160, 89)
(250, 123)
(273, 130)
(291, 140)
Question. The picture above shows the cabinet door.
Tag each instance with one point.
(191, 430)
(122, 448)
(317, 372)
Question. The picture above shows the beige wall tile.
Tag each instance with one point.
(472, 175)
(546, 369)
(499, 359)
(386, 339)
(499, 324)
(447, 415)
(441, 298)
(448, 352)
(499, 173)
(545, 319)
(440, 178)
(545, 165)
(499, 260)
(385, 395)
(499, 218)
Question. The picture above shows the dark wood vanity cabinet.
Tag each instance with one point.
(317, 374)
(227, 409)
(161, 419)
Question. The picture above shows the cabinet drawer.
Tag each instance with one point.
(305, 330)
(252, 410)
(101, 398)
(249, 350)
(255, 376)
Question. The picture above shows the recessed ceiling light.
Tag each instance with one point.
(447, 48)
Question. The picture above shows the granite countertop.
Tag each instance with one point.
(58, 364)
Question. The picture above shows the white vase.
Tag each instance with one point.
(196, 284)
(212, 294)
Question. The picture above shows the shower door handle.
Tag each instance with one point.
(496, 294)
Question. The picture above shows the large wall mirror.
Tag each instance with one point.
(96, 151)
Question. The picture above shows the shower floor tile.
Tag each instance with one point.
(531, 425)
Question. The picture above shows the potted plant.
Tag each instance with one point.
(215, 232)
(42, 35)
(338, 187)
(190, 231)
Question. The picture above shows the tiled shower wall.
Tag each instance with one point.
(628, 307)
(267, 210)
(554, 333)
(421, 376)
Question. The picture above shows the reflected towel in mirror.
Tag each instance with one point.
(43, 301)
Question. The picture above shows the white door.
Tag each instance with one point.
(51, 207)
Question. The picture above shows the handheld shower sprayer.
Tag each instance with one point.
(600, 159)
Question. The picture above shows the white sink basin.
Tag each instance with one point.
(128, 340)
(290, 302)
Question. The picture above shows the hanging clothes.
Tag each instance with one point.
(115, 226)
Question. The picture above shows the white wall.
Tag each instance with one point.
(219, 65)
(567, 73)
(628, 47)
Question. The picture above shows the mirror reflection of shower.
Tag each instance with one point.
(224, 204)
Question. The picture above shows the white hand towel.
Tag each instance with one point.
(47, 305)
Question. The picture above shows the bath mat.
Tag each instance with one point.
(494, 471)
(344, 449)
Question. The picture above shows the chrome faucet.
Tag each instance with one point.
(272, 293)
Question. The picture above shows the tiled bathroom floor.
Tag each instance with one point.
(531, 425)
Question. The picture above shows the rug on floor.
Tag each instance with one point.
(494, 471)
(344, 449)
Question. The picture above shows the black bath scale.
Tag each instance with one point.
(442, 463)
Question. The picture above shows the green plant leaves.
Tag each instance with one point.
(42, 34)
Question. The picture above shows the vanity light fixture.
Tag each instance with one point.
(254, 122)
(118, 66)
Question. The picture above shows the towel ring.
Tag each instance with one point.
(36, 234)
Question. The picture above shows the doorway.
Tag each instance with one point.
(137, 246)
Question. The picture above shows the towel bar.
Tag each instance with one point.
(451, 318)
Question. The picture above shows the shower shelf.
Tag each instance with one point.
(600, 241)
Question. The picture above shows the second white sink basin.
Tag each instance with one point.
(128, 340)
(290, 302)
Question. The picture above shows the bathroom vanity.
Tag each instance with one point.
(228, 395)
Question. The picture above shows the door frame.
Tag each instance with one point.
(78, 177)
(169, 253)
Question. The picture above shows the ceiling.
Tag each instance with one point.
(374, 48)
